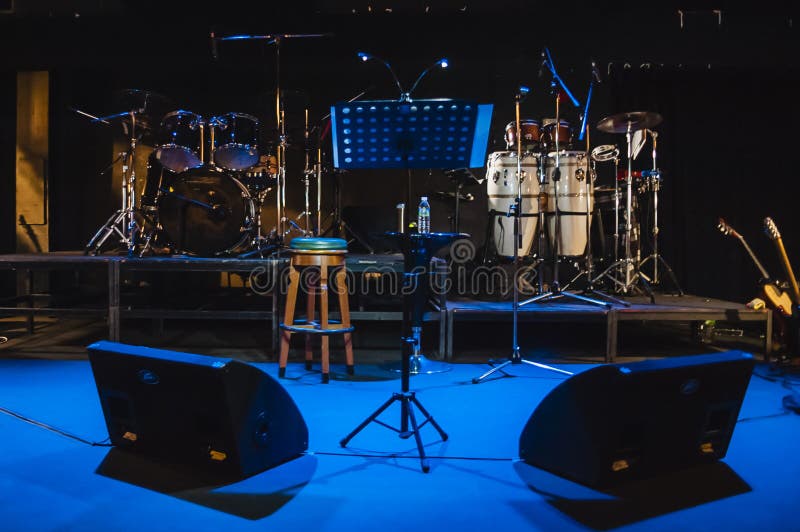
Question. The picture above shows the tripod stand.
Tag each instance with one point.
(414, 245)
(627, 123)
(653, 185)
(516, 358)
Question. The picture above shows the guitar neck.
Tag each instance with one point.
(760, 267)
(788, 268)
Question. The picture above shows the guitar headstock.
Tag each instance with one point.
(726, 229)
(771, 229)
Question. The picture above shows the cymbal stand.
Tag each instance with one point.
(654, 178)
(555, 291)
(590, 179)
(123, 221)
(629, 265)
(516, 357)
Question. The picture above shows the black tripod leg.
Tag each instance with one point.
(423, 460)
(369, 420)
(429, 418)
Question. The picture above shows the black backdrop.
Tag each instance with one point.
(727, 92)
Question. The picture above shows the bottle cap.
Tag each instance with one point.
(424, 198)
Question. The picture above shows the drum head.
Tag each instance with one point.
(205, 211)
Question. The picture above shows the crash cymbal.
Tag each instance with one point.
(636, 120)
(143, 102)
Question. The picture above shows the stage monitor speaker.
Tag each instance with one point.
(224, 417)
(619, 422)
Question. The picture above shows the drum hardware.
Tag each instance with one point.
(589, 177)
(123, 222)
(627, 123)
(555, 290)
(461, 177)
(515, 213)
(282, 223)
(652, 183)
(339, 225)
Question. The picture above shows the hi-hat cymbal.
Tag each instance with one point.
(621, 123)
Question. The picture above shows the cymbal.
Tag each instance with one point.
(144, 102)
(636, 120)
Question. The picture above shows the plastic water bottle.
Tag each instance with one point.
(424, 216)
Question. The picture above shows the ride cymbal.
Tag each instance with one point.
(620, 123)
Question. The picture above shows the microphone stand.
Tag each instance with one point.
(555, 292)
(516, 358)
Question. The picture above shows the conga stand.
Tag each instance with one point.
(417, 249)
(516, 357)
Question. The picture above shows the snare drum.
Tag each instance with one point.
(180, 141)
(530, 134)
(234, 140)
(572, 191)
(502, 187)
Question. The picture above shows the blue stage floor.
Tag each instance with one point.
(49, 481)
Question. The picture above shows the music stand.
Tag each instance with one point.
(437, 133)
(383, 134)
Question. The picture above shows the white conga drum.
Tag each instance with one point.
(572, 192)
(502, 187)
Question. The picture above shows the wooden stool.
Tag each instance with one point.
(325, 254)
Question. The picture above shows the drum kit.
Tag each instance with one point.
(207, 177)
(576, 198)
(206, 182)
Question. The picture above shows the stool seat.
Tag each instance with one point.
(303, 243)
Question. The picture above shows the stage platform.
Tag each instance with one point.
(451, 314)
(667, 308)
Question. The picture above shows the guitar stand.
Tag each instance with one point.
(406, 398)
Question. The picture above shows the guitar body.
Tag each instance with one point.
(777, 299)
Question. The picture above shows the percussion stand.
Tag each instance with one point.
(630, 266)
(123, 221)
(587, 256)
(655, 183)
(555, 291)
(516, 357)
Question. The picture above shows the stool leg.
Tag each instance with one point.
(288, 319)
(344, 309)
(323, 319)
(311, 299)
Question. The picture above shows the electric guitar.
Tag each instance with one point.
(772, 231)
(772, 292)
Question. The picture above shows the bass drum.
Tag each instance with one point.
(501, 188)
(206, 212)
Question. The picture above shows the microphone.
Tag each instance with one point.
(214, 51)
(596, 73)
(542, 64)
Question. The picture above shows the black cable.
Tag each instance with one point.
(53, 429)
